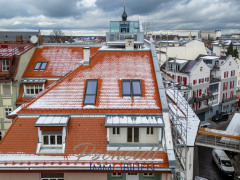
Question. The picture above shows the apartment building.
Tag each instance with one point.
(14, 58)
(208, 83)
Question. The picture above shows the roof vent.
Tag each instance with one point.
(86, 55)
(129, 43)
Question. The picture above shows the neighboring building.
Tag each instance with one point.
(17, 36)
(220, 47)
(238, 74)
(116, 101)
(179, 49)
(210, 82)
(14, 58)
(47, 65)
(209, 34)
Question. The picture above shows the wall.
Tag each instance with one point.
(85, 176)
(143, 136)
(20, 176)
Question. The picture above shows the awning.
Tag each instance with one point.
(33, 80)
(138, 121)
(52, 121)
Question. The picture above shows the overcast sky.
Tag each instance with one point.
(91, 17)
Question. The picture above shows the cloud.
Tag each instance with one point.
(94, 15)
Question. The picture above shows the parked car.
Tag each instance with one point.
(220, 117)
(223, 162)
(205, 124)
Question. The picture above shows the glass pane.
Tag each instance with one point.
(152, 130)
(129, 135)
(126, 91)
(45, 140)
(91, 87)
(36, 90)
(136, 88)
(147, 130)
(90, 99)
(59, 139)
(43, 66)
(52, 140)
(118, 130)
(136, 134)
(32, 90)
(113, 130)
(37, 65)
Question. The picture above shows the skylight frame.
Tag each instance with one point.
(90, 94)
(132, 93)
(42, 63)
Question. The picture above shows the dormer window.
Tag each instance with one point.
(40, 65)
(131, 88)
(33, 90)
(90, 92)
(52, 132)
(5, 65)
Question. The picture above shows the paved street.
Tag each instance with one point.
(205, 166)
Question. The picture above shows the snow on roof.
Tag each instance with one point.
(13, 113)
(233, 129)
(183, 114)
(109, 68)
(14, 49)
(33, 80)
(210, 57)
(179, 61)
(134, 121)
(52, 121)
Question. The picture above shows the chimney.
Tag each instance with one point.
(86, 55)
(19, 38)
(129, 43)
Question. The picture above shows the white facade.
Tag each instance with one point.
(190, 51)
(209, 34)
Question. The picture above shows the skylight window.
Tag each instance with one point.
(40, 65)
(131, 88)
(91, 92)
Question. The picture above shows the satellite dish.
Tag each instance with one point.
(34, 39)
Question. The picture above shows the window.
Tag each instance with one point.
(7, 111)
(148, 174)
(131, 88)
(133, 135)
(116, 174)
(0, 135)
(52, 176)
(116, 130)
(230, 63)
(33, 90)
(91, 92)
(149, 130)
(5, 65)
(40, 65)
(52, 139)
(6, 90)
(201, 68)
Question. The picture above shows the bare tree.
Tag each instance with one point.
(57, 36)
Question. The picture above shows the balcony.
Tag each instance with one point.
(204, 97)
(199, 111)
(229, 99)
(214, 79)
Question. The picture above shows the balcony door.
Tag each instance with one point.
(133, 134)
(132, 176)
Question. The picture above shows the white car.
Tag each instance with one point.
(223, 162)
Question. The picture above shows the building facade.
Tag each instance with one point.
(14, 58)
(209, 83)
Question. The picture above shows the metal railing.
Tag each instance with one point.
(216, 141)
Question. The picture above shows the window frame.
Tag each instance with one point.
(150, 131)
(41, 63)
(49, 140)
(116, 131)
(116, 174)
(132, 87)
(148, 174)
(85, 95)
(33, 87)
(5, 64)
(6, 110)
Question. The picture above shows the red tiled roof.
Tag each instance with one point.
(7, 50)
(109, 68)
(60, 61)
(22, 138)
